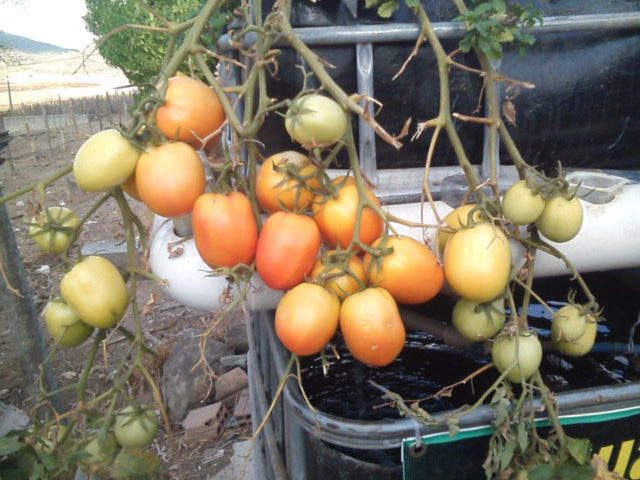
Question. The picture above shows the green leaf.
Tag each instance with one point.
(541, 471)
(522, 436)
(579, 449)
(9, 445)
(505, 455)
(387, 9)
(133, 464)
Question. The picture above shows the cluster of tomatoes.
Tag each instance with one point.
(320, 240)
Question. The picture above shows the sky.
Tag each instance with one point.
(58, 22)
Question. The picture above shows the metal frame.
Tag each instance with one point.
(405, 185)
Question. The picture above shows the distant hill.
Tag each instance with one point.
(26, 45)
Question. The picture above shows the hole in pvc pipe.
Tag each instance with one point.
(418, 450)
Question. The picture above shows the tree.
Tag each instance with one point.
(139, 53)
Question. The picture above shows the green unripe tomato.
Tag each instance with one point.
(520, 205)
(135, 428)
(478, 322)
(561, 219)
(529, 356)
(53, 233)
(316, 121)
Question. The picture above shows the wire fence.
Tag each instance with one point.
(53, 127)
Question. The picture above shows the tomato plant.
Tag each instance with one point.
(410, 273)
(104, 161)
(478, 322)
(333, 276)
(287, 249)
(277, 191)
(52, 230)
(561, 219)
(307, 318)
(316, 121)
(224, 229)
(372, 328)
(477, 262)
(95, 290)
(65, 325)
(454, 221)
(573, 332)
(191, 112)
(520, 205)
(337, 215)
(135, 427)
(170, 178)
(528, 359)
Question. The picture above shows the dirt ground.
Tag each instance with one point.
(163, 318)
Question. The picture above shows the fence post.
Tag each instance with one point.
(46, 126)
(99, 112)
(19, 312)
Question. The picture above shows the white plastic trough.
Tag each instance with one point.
(609, 239)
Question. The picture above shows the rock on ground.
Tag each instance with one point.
(183, 387)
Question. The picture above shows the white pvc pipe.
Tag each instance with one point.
(609, 239)
(187, 278)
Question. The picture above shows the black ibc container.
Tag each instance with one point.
(352, 432)
(584, 65)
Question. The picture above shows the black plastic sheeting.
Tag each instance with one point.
(582, 111)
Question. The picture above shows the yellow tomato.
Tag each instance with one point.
(455, 220)
(477, 262)
(105, 160)
(95, 290)
(336, 279)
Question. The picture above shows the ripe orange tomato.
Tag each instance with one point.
(477, 262)
(130, 188)
(224, 229)
(191, 112)
(287, 248)
(276, 191)
(307, 318)
(372, 327)
(411, 273)
(336, 216)
(170, 178)
(335, 278)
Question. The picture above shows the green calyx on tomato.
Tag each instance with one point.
(316, 121)
(53, 229)
(64, 324)
(527, 361)
(96, 291)
(135, 427)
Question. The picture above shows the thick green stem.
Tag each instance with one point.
(88, 365)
